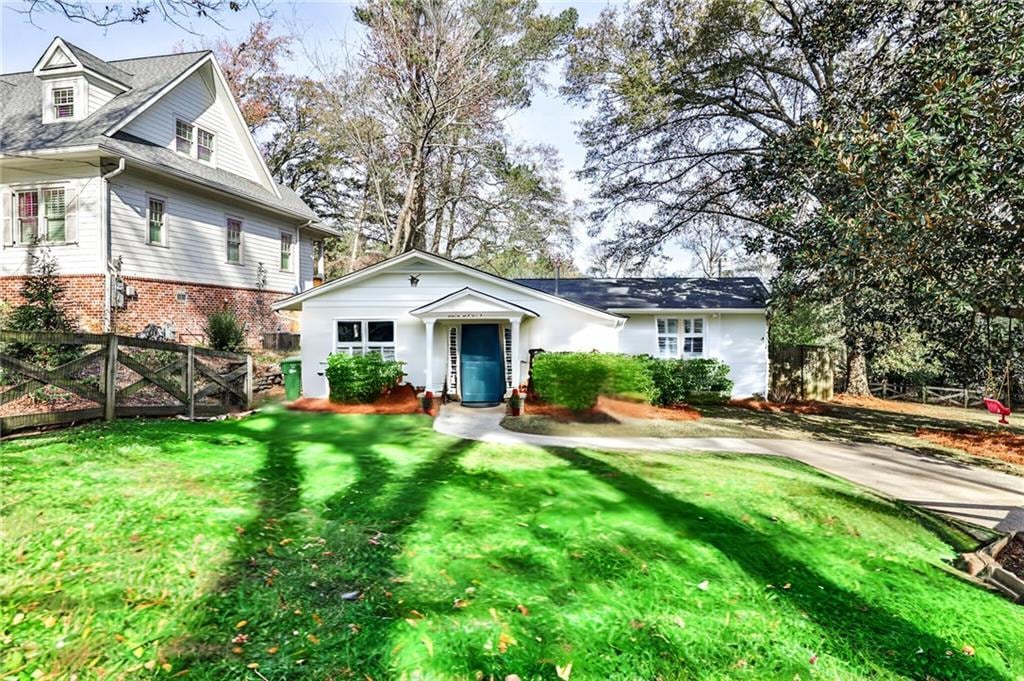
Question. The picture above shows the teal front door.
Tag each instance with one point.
(483, 379)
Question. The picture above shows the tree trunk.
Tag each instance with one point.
(857, 370)
(403, 236)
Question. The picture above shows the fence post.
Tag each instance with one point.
(190, 381)
(966, 398)
(110, 379)
(248, 381)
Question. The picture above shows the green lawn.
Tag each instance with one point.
(840, 423)
(291, 545)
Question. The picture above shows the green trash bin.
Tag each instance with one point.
(291, 370)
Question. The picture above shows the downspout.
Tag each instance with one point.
(107, 243)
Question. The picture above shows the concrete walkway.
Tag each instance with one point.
(976, 495)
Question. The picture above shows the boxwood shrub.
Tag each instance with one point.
(690, 381)
(576, 379)
(361, 378)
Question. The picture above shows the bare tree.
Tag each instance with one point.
(181, 13)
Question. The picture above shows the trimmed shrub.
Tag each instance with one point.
(224, 331)
(576, 379)
(707, 381)
(690, 381)
(361, 378)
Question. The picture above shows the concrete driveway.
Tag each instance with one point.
(976, 495)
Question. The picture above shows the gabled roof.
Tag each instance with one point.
(469, 292)
(84, 60)
(665, 293)
(146, 79)
(295, 302)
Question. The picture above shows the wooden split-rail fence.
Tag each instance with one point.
(57, 378)
(930, 394)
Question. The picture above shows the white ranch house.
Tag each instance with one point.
(470, 333)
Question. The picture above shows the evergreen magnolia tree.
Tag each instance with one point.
(43, 309)
(917, 173)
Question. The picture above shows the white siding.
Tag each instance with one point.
(98, 96)
(196, 249)
(81, 182)
(738, 339)
(194, 101)
(304, 252)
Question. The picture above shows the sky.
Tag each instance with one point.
(325, 28)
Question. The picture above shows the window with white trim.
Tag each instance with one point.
(156, 219)
(183, 137)
(668, 337)
(286, 252)
(693, 338)
(204, 145)
(63, 102)
(234, 230)
(48, 227)
(361, 336)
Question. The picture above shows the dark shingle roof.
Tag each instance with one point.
(94, 63)
(22, 130)
(657, 292)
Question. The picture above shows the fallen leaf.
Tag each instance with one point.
(237, 650)
(241, 624)
(968, 650)
(312, 638)
(564, 672)
(523, 610)
(272, 650)
(460, 603)
(504, 641)
(814, 659)
(316, 618)
(253, 665)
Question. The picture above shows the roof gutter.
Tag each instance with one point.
(107, 245)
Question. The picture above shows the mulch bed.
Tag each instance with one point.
(401, 400)
(1006, 447)
(796, 407)
(609, 410)
(1012, 556)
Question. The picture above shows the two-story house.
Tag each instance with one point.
(142, 180)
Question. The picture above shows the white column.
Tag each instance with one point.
(428, 383)
(515, 353)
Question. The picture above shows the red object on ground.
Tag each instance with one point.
(997, 407)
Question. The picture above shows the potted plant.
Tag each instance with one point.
(427, 402)
(515, 403)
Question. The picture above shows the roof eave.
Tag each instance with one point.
(216, 186)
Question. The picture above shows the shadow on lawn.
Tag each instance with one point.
(312, 585)
(851, 424)
(870, 631)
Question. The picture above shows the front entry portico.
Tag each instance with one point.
(482, 334)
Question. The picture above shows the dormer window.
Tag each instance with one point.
(63, 102)
(204, 146)
(183, 137)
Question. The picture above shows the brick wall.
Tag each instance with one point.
(183, 305)
(83, 298)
